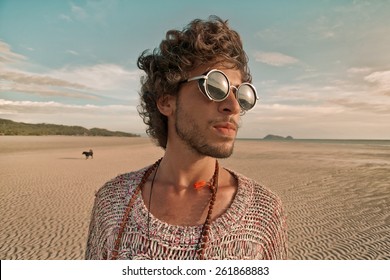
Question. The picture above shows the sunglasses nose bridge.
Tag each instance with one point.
(232, 100)
(234, 90)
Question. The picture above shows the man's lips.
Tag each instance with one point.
(226, 125)
(226, 128)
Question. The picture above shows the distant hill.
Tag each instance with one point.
(8, 127)
(277, 137)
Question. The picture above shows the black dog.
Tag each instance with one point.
(88, 154)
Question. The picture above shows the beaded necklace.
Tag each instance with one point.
(204, 235)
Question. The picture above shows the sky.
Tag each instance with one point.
(321, 68)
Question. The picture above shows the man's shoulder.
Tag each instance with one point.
(259, 192)
(121, 184)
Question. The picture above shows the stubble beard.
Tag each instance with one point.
(192, 135)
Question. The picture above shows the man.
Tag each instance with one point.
(186, 206)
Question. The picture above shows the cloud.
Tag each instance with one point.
(328, 34)
(363, 106)
(51, 107)
(287, 111)
(78, 12)
(36, 79)
(42, 85)
(7, 55)
(381, 79)
(27, 48)
(338, 97)
(275, 58)
(100, 76)
(65, 18)
(72, 52)
(270, 34)
(13, 80)
(74, 82)
(325, 28)
(90, 12)
(359, 70)
(104, 79)
(45, 91)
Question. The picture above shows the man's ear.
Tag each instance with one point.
(166, 104)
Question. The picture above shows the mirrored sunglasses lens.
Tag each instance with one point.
(246, 97)
(217, 86)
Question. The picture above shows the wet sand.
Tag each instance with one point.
(336, 194)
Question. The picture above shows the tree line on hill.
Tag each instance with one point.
(8, 127)
(277, 137)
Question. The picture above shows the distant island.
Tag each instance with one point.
(277, 137)
(8, 127)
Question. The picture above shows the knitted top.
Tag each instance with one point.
(253, 227)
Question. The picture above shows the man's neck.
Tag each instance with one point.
(181, 168)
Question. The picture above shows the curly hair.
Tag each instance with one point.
(181, 51)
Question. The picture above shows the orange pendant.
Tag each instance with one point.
(200, 184)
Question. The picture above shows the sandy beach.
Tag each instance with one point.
(336, 194)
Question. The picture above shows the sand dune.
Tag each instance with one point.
(336, 195)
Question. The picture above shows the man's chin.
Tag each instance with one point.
(219, 151)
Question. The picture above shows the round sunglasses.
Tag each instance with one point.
(215, 85)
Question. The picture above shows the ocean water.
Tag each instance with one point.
(368, 142)
(348, 141)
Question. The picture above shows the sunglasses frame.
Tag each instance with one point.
(203, 87)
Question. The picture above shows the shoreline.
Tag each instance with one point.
(18, 143)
